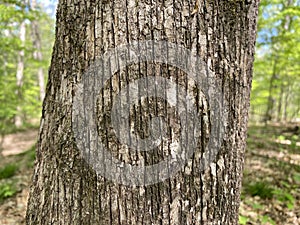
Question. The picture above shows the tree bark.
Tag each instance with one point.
(66, 190)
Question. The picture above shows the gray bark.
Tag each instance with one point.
(66, 190)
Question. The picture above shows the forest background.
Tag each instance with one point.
(272, 171)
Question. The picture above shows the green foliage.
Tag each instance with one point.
(296, 177)
(243, 220)
(8, 171)
(261, 189)
(7, 190)
(281, 137)
(276, 81)
(10, 181)
(12, 14)
(270, 180)
(285, 197)
(257, 206)
(267, 220)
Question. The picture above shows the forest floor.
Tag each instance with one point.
(16, 165)
(271, 184)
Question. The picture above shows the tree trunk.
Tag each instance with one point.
(280, 102)
(37, 54)
(67, 185)
(276, 76)
(20, 73)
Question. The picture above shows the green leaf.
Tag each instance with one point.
(243, 220)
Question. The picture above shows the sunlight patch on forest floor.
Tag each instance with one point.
(17, 143)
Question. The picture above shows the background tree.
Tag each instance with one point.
(20, 72)
(37, 54)
(8, 55)
(66, 190)
(19, 91)
(275, 94)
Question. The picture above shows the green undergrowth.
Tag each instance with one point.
(7, 189)
(8, 171)
(12, 129)
(12, 171)
(271, 175)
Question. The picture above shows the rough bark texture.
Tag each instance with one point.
(66, 191)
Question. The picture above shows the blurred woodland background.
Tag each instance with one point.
(271, 187)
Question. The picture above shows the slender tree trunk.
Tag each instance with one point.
(20, 72)
(286, 102)
(271, 110)
(280, 102)
(66, 190)
(272, 99)
(37, 54)
(3, 119)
